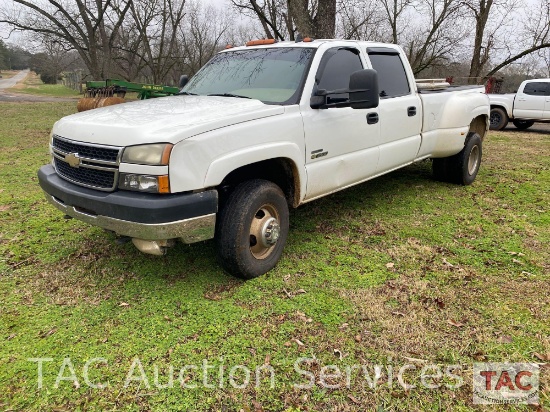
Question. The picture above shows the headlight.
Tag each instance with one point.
(144, 183)
(148, 154)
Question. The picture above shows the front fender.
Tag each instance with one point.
(224, 165)
(205, 160)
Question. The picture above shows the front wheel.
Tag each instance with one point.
(252, 229)
(498, 119)
(523, 124)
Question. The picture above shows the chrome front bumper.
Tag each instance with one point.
(188, 230)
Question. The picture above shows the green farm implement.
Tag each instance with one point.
(111, 91)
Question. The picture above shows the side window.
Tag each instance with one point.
(392, 78)
(335, 70)
(537, 89)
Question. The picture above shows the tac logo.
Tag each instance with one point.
(506, 383)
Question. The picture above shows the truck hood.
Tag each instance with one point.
(166, 119)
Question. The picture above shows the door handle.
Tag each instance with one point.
(411, 111)
(372, 118)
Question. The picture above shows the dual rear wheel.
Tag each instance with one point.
(461, 168)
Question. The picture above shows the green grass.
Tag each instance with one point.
(33, 85)
(477, 256)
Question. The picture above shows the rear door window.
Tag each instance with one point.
(392, 78)
(537, 89)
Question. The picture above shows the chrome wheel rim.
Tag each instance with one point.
(265, 231)
(473, 160)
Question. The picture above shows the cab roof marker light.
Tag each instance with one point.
(260, 42)
(300, 39)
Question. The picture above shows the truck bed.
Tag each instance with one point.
(450, 89)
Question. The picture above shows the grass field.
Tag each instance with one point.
(401, 270)
(7, 74)
(33, 85)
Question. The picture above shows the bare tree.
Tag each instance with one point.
(314, 18)
(394, 10)
(490, 17)
(205, 32)
(88, 26)
(157, 23)
(272, 15)
(544, 54)
(282, 19)
(438, 36)
(534, 36)
(361, 20)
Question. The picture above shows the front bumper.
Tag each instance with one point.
(188, 216)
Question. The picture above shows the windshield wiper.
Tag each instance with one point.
(188, 94)
(229, 95)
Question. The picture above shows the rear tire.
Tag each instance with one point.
(440, 169)
(523, 124)
(252, 229)
(498, 119)
(461, 168)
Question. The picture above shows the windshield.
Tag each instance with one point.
(271, 75)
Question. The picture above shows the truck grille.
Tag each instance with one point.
(100, 179)
(86, 164)
(92, 152)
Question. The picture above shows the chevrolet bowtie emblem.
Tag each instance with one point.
(72, 159)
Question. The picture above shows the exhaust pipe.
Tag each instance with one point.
(153, 247)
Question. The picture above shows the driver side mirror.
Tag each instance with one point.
(362, 90)
(183, 80)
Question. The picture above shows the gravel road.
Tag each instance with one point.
(21, 97)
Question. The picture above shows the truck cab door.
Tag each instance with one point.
(341, 142)
(400, 109)
(546, 113)
(530, 100)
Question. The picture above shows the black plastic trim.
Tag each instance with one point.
(130, 206)
(382, 50)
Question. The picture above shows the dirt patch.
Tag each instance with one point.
(440, 321)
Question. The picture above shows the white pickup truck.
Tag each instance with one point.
(258, 130)
(529, 105)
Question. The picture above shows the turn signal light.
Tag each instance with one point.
(164, 184)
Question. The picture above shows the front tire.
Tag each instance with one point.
(523, 124)
(498, 119)
(463, 167)
(252, 229)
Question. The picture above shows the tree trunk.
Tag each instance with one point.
(324, 23)
(478, 61)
